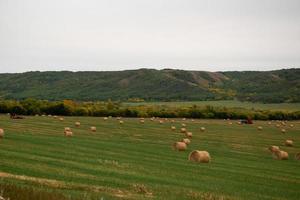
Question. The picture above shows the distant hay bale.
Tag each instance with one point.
(105, 118)
(55, 117)
(179, 146)
(239, 123)
(280, 155)
(192, 120)
(61, 119)
(68, 133)
(202, 129)
(277, 125)
(291, 125)
(259, 128)
(152, 118)
(289, 143)
(142, 121)
(297, 156)
(119, 118)
(172, 121)
(93, 129)
(269, 123)
(183, 119)
(283, 123)
(274, 149)
(189, 134)
(230, 123)
(1, 133)
(121, 122)
(43, 115)
(77, 124)
(199, 156)
(186, 141)
(161, 121)
(173, 128)
(183, 125)
(183, 130)
(283, 130)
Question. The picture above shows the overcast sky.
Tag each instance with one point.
(101, 35)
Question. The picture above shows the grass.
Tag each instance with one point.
(228, 104)
(136, 161)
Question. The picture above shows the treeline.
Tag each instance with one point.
(110, 108)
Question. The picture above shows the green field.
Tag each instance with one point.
(228, 104)
(136, 161)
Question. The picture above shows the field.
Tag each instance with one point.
(228, 104)
(136, 161)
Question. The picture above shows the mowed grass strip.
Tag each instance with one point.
(133, 156)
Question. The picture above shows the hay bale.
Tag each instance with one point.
(119, 118)
(142, 121)
(121, 122)
(55, 117)
(179, 146)
(289, 143)
(291, 125)
(183, 125)
(269, 123)
(280, 155)
(283, 130)
(61, 119)
(274, 149)
(189, 134)
(230, 123)
(152, 118)
(1, 133)
(199, 156)
(260, 128)
(277, 125)
(173, 128)
(161, 121)
(183, 119)
(186, 141)
(68, 133)
(183, 130)
(192, 120)
(67, 129)
(297, 156)
(93, 129)
(202, 129)
(105, 118)
(172, 121)
(77, 124)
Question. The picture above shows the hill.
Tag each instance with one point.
(149, 84)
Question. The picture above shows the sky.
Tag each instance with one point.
(102, 35)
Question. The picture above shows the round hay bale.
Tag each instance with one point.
(269, 123)
(173, 128)
(118, 118)
(179, 146)
(67, 129)
(161, 121)
(172, 121)
(230, 123)
(274, 149)
(199, 156)
(105, 118)
(142, 121)
(55, 117)
(202, 129)
(1, 133)
(186, 141)
(77, 124)
(93, 129)
(297, 156)
(121, 122)
(291, 125)
(183, 130)
(280, 155)
(152, 118)
(183, 125)
(183, 119)
(61, 119)
(289, 143)
(192, 120)
(189, 134)
(283, 130)
(68, 133)
(239, 123)
(260, 128)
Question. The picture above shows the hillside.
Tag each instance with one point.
(149, 84)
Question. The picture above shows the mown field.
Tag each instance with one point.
(136, 161)
(228, 104)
